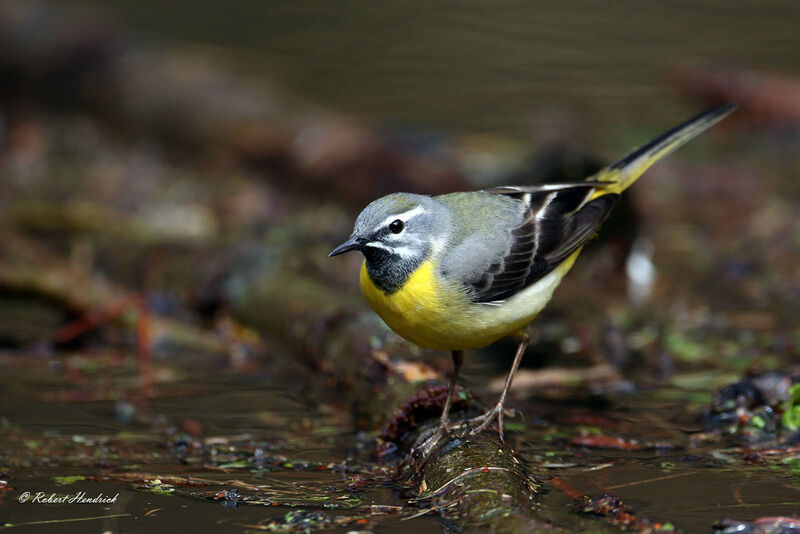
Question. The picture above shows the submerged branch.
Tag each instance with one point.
(477, 482)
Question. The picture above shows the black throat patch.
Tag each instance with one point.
(389, 271)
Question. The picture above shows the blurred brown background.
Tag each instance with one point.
(173, 175)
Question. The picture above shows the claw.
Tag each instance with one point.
(487, 418)
(422, 450)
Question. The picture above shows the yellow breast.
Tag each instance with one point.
(417, 311)
(436, 315)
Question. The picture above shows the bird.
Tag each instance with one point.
(459, 271)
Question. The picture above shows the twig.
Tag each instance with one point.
(72, 520)
(464, 475)
(649, 480)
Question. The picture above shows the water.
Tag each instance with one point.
(471, 67)
(42, 440)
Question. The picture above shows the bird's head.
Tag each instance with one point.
(396, 233)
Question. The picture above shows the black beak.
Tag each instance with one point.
(351, 244)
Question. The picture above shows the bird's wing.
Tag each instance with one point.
(555, 219)
(555, 223)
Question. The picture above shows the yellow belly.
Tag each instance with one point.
(437, 315)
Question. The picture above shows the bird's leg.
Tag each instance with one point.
(497, 412)
(428, 444)
(458, 359)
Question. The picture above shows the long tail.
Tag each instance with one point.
(626, 171)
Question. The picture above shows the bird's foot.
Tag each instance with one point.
(496, 413)
(421, 451)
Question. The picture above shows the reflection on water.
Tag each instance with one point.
(230, 419)
(479, 66)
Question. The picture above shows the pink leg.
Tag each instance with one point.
(497, 412)
(428, 444)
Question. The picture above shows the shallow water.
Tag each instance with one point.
(42, 440)
(687, 486)
(471, 67)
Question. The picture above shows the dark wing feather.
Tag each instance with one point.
(559, 218)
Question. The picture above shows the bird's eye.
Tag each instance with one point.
(396, 226)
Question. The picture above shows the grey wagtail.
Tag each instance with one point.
(460, 271)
